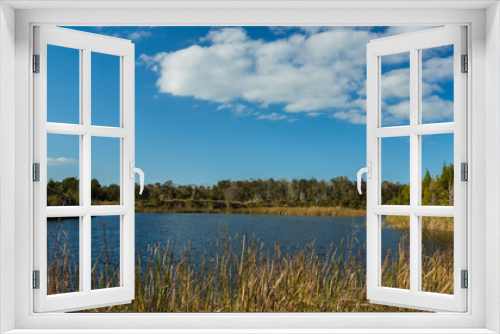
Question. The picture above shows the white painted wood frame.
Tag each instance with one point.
(86, 43)
(413, 43)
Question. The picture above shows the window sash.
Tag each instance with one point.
(85, 298)
(413, 43)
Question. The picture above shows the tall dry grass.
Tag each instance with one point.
(437, 224)
(242, 277)
(313, 211)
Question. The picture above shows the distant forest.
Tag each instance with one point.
(337, 192)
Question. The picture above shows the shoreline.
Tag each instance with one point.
(313, 211)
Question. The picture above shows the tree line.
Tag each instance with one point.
(338, 192)
(437, 190)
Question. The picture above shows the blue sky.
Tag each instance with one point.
(236, 103)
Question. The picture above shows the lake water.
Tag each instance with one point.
(199, 232)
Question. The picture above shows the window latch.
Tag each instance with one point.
(368, 171)
(132, 171)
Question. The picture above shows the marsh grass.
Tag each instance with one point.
(312, 211)
(437, 224)
(62, 272)
(241, 277)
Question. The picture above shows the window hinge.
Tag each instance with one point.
(36, 63)
(36, 279)
(465, 279)
(464, 171)
(36, 172)
(465, 64)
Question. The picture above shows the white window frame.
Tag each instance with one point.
(483, 314)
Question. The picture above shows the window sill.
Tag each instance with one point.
(251, 331)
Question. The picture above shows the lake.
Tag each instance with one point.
(199, 233)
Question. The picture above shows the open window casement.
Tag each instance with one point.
(84, 293)
(418, 125)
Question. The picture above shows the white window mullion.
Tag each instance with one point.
(86, 165)
(85, 161)
(80, 130)
(81, 242)
(40, 156)
(127, 120)
(393, 131)
(414, 172)
(102, 131)
(373, 186)
(460, 156)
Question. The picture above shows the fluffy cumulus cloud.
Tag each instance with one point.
(315, 71)
(436, 72)
(60, 161)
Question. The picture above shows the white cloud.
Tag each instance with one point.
(314, 71)
(435, 109)
(396, 84)
(135, 34)
(60, 161)
(396, 113)
(226, 36)
(139, 35)
(272, 117)
(318, 72)
(237, 109)
(281, 30)
(437, 70)
(314, 114)
(354, 116)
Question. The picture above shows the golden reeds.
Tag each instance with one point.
(312, 211)
(251, 280)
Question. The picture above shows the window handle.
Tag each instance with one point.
(368, 171)
(133, 170)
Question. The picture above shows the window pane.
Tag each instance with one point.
(437, 254)
(105, 186)
(395, 168)
(437, 84)
(105, 252)
(63, 255)
(437, 170)
(105, 90)
(63, 170)
(395, 252)
(63, 85)
(395, 89)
